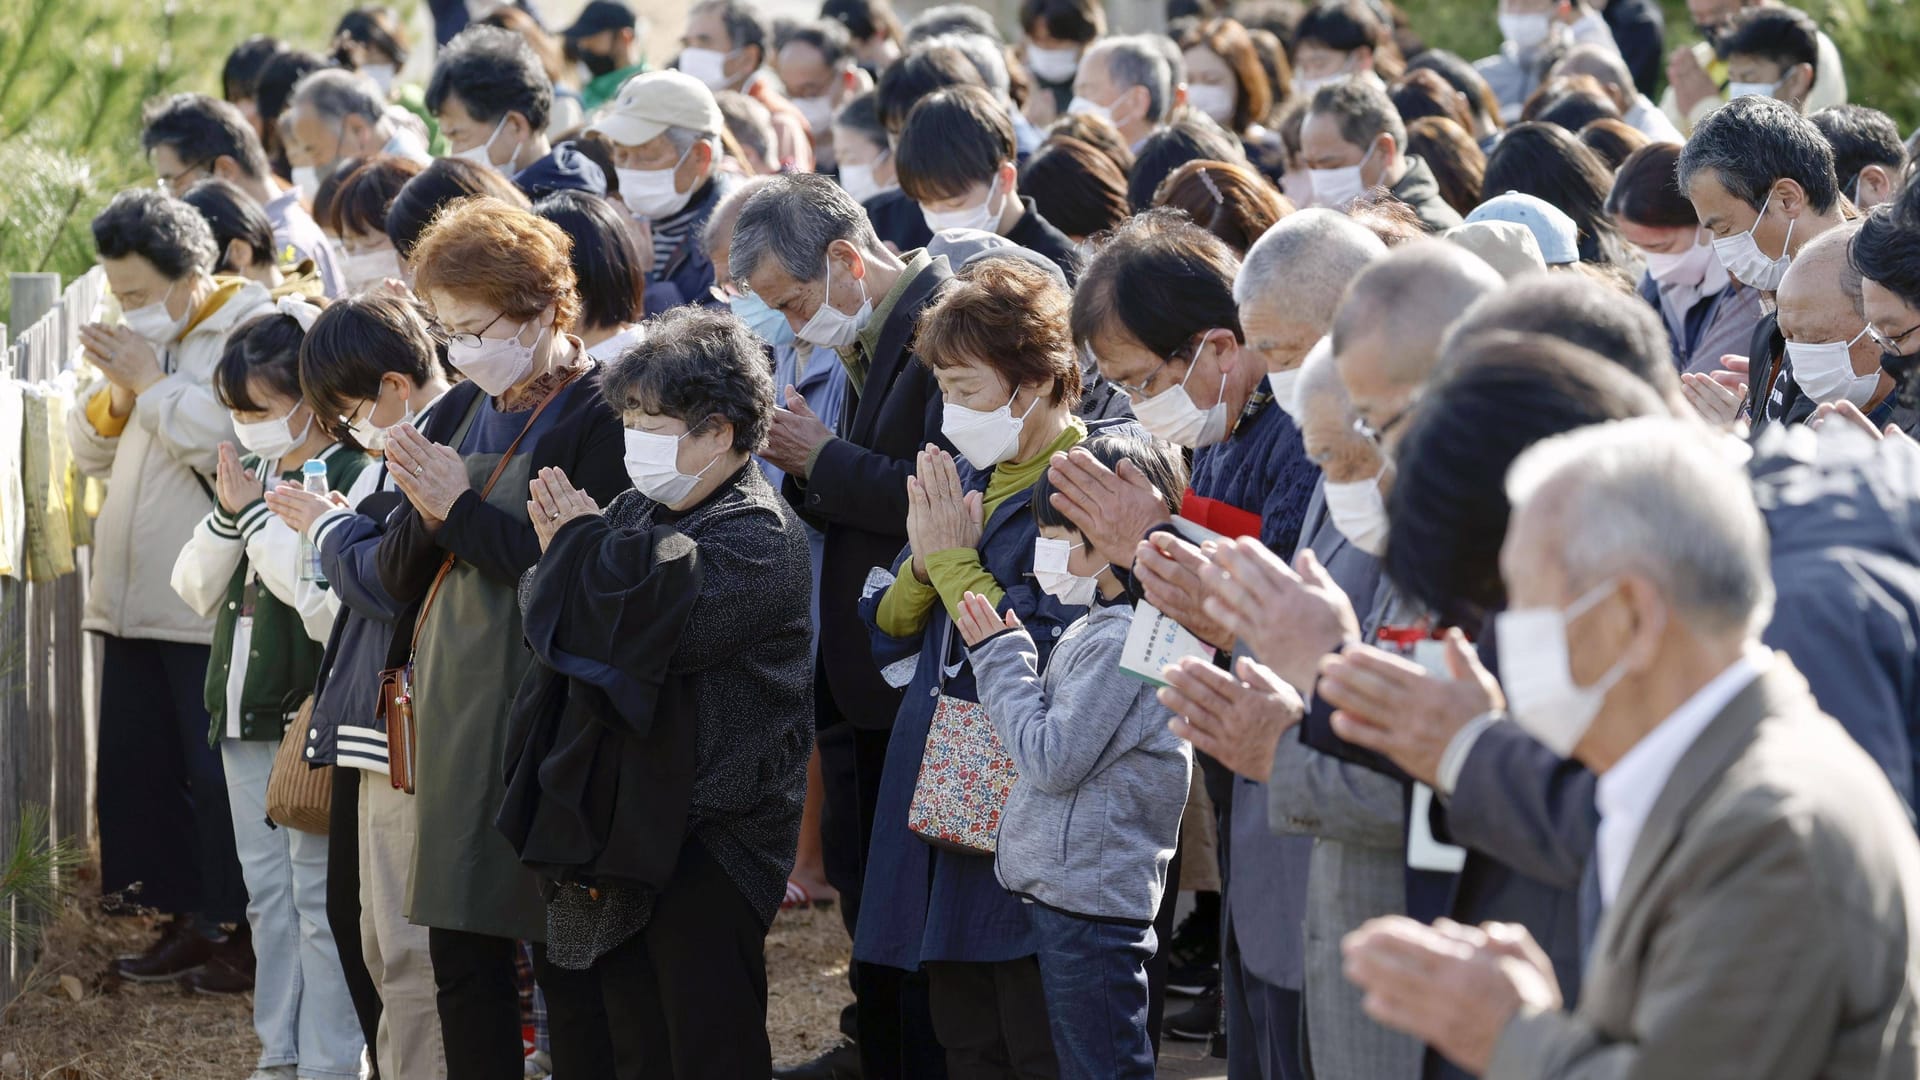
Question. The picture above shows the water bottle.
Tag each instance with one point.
(313, 478)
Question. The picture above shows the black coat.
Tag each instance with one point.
(1037, 234)
(1640, 31)
(856, 495)
(897, 220)
(1421, 192)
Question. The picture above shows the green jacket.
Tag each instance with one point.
(232, 555)
(605, 88)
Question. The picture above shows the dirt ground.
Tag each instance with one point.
(77, 1023)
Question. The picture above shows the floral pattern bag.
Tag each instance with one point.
(965, 775)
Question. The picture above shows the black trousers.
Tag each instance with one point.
(343, 902)
(1157, 966)
(683, 999)
(992, 1018)
(166, 835)
(479, 1004)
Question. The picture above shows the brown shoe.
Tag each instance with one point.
(229, 968)
(180, 951)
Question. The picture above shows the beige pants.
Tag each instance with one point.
(408, 1046)
(1199, 840)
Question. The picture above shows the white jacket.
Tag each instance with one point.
(206, 564)
(153, 500)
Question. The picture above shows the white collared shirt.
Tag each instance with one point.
(1625, 794)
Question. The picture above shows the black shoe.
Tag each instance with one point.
(229, 967)
(840, 1063)
(180, 951)
(1197, 1023)
(1192, 982)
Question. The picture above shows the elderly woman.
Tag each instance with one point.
(498, 282)
(659, 756)
(997, 340)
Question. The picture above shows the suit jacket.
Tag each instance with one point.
(1356, 870)
(1765, 926)
(856, 495)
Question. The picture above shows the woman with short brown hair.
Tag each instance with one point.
(499, 283)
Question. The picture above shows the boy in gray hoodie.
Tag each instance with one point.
(1092, 822)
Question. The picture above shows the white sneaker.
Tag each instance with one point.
(538, 1065)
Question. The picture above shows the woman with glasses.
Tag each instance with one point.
(498, 282)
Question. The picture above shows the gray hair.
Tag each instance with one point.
(1412, 295)
(1362, 111)
(697, 363)
(333, 95)
(743, 21)
(1135, 60)
(1752, 142)
(1320, 378)
(951, 19)
(794, 218)
(1600, 62)
(727, 211)
(1307, 260)
(1660, 497)
(987, 56)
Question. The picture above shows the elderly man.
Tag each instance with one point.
(1831, 356)
(726, 46)
(1387, 334)
(1353, 141)
(190, 137)
(1741, 833)
(1636, 108)
(818, 68)
(1761, 177)
(335, 115)
(1698, 79)
(492, 99)
(1127, 82)
(806, 249)
(152, 428)
(665, 129)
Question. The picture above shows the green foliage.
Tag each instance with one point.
(33, 875)
(73, 77)
(1879, 43)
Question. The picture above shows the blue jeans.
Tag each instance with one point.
(301, 1010)
(1095, 975)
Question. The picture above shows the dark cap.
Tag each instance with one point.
(566, 169)
(600, 16)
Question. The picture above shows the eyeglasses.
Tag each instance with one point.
(1377, 436)
(1145, 389)
(472, 341)
(1891, 344)
(166, 183)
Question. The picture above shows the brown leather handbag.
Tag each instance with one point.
(298, 795)
(396, 683)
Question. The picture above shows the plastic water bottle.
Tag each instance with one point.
(313, 478)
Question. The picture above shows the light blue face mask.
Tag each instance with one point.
(771, 326)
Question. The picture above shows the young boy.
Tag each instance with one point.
(1092, 822)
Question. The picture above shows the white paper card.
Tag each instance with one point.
(1424, 852)
(1155, 641)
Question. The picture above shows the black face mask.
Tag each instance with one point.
(597, 63)
(1905, 370)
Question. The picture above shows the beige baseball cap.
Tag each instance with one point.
(654, 101)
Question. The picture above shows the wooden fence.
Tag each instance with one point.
(47, 667)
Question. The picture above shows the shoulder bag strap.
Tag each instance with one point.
(446, 565)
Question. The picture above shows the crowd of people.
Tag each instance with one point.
(1443, 529)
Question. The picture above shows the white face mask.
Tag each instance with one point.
(1172, 415)
(153, 322)
(818, 111)
(1359, 511)
(653, 464)
(370, 268)
(1051, 574)
(1054, 66)
(1297, 186)
(1538, 677)
(1286, 391)
(985, 439)
(374, 436)
(496, 365)
(1335, 188)
(832, 328)
(1304, 88)
(1687, 268)
(707, 65)
(1526, 32)
(307, 179)
(1752, 89)
(1742, 256)
(271, 439)
(482, 155)
(985, 217)
(1216, 101)
(858, 182)
(1080, 106)
(381, 74)
(1825, 372)
(650, 193)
